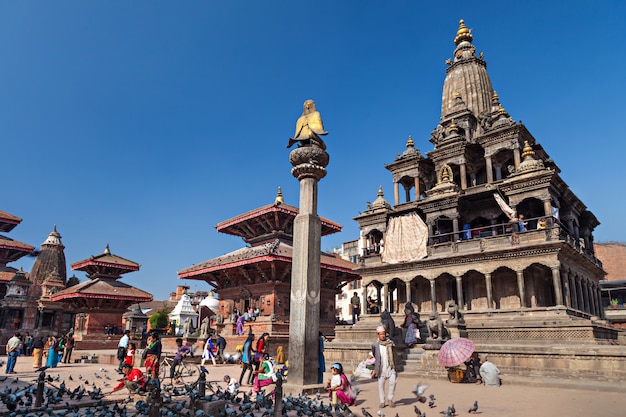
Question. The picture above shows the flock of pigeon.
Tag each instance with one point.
(90, 400)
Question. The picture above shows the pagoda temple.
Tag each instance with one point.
(258, 276)
(101, 300)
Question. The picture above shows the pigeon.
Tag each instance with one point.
(365, 413)
(418, 391)
(473, 408)
(431, 402)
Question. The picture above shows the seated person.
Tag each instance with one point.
(265, 375)
(339, 386)
(489, 373)
(133, 380)
(472, 369)
(233, 386)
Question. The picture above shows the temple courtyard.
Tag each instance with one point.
(517, 396)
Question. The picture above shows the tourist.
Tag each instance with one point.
(221, 345)
(240, 323)
(208, 352)
(246, 360)
(53, 356)
(153, 355)
(542, 224)
(181, 352)
(265, 375)
(261, 349)
(232, 385)
(339, 387)
(134, 380)
(522, 224)
(489, 373)
(28, 344)
(69, 347)
(355, 301)
(38, 346)
(321, 361)
(411, 324)
(13, 351)
(130, 354)
(122, 346)
(384, 368)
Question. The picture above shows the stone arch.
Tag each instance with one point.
(532, 209)
(396, 295)
(445, 291)
(373, 289)
(443, 230)
(538, 284)
(474, 290)
(505, 292)
(420, 293)
(476, 165)
(502, 162)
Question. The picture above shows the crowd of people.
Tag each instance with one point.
(48, 352)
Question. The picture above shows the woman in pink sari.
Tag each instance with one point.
(339, 386)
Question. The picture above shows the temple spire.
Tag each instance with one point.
(463, 34)
(107, 251)
(279, 198)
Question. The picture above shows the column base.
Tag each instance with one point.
(296, 389)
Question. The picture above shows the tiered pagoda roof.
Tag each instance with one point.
(10, 250)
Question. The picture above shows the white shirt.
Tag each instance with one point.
(13, 344)
(385, 369)
(124, 341)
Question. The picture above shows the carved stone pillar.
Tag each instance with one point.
(521, 289)
(408, 291)
(433, 296)
(489, 294)
(364, 304)
(385, 297)
(407, 194)
(417, 188)
(489, 169)
(592, 299)
(455, 228)
(463, 174)
(573, 296)
(516, 157)
(396, 193)
(459, 292)
(556, 283)
(547, 208)
(566, 289)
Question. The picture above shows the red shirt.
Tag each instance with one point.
(135, 375)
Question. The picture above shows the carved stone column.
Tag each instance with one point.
(489, 294)
(592, 299)
(459, 292)
(463, 174)
(417, 188)
(556, 283)
(572, 286)
(521, 288)
(433, 296)
(489, 169)
(364, 304)
(455, 228)
(408, 291)
(516, 157)
(385, 297)
(309, 163)
(396, 193)
(566, 289)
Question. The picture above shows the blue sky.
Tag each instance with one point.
(143, 124)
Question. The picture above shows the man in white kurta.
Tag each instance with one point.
(384, 368)
(489, 373)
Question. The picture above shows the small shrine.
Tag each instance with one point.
(184, 317)
(101, 300)
(256, 280)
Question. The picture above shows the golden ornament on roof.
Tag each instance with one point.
(463, 34)
(279, 198)
(410, 143)
(527, 152)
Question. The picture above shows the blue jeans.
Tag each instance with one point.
(12, 358)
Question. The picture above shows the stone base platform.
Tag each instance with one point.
(294, 389)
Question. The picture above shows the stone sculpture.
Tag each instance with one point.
(435, 326)
(187, 327)
(204, 327)
(455, 314)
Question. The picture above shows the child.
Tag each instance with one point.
(181, 352)
(130, 354)
(339, 387)
(233, 386)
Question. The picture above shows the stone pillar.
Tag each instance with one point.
(566, 289)
(433, 296)
(396, 193)
(459, 292)
(592, 299)
(489, 295)
(521, 289)
(430, 234)
(599, 304)
(385, 298)
(556, 283)
(417, 188)
(408, 291)
(579, 294)
(516, 157)
(547, 208)
(364, 304)
(489, 169)
(455, 228)
(573, 296)
(309, 163)
(407, 194)
(463, 174)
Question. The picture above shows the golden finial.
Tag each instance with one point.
(410, 143)
(380, 191)
(463, 34)
(495, 98)
(107, 251)
(527, 152)
(279, 198)
(453, 127)
(501, 110)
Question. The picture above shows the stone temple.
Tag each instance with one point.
(484, 221)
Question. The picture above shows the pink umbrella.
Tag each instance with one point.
(455, 351)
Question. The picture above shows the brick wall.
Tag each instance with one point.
(613, 257)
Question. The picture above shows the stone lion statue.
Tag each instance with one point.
(455, 314)
(188, 327)
(435, 326)
(204, 327)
